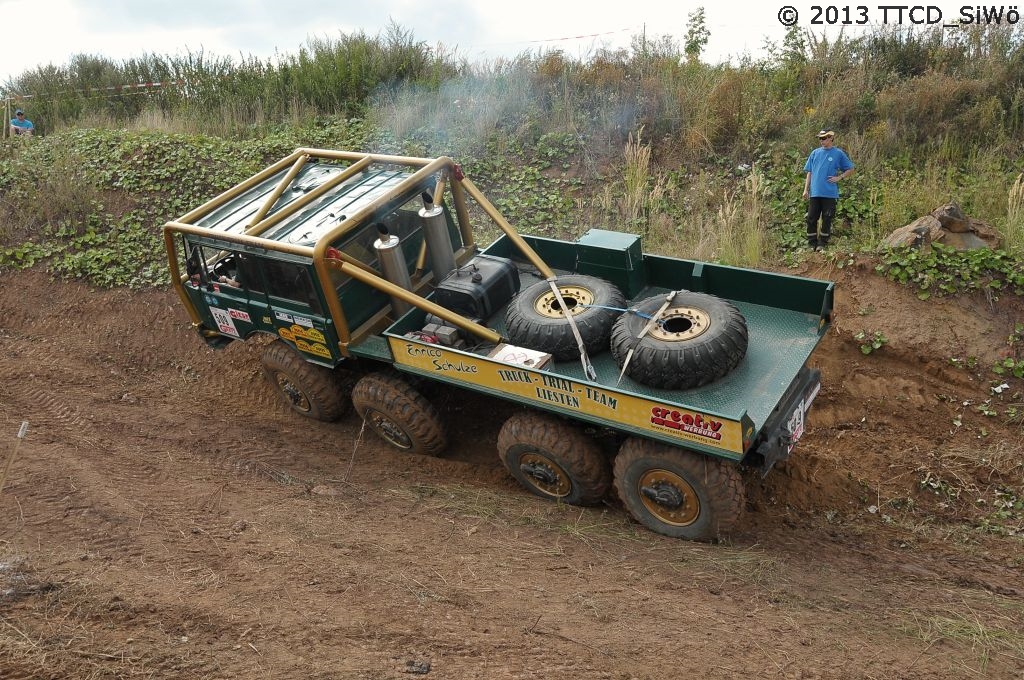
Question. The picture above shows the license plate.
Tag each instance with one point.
(796, 423)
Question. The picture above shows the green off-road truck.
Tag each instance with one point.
(365, 271)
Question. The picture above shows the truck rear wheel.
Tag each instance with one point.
(554, 459)
(399, 414)
(535, 319)
(309, 389)
(699, 339)
(676, 492)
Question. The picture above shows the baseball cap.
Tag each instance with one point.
(826, 132)
(19, 112)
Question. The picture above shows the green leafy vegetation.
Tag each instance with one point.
(1009, 366)
(91, 202)
(705, 161)
(529, 181)
(982, 483)
(870, 341)
(942, 270)
(1013, 363)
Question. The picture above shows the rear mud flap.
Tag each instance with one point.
(787, 423)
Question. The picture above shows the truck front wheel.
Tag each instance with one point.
(313, 391)
(554, 459)
(399, 414)
(676, 492)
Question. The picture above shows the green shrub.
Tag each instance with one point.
(942, 270)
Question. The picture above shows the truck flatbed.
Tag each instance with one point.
(782, 336)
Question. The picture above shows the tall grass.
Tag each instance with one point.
(1013, 228)
(743, 238)
(906, 89)
(636, 175)
(326, 76)
(928, 116)
(735, 232)
(713, 224)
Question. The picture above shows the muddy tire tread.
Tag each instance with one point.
(398, 400)
(718, 484)
(321, 386)
(577, 454)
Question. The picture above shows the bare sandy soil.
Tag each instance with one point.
(167, 517)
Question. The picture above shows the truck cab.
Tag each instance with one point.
(250, 268)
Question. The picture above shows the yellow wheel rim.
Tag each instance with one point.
(296, 397)
(387, 428)
(545, 475)
(681, 323)
(576, 299)
(668, 497)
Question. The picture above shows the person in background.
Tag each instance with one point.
(825, 167)
(20, 125)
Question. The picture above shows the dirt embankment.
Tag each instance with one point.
(167, 518)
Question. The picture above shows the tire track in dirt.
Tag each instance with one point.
(259, 442)
(168, 638)
(25, 673)
(246, 390)
(165, 375)
(98, 502)
(265, 437)
(162, 378)
(184, 451)
(45, 410)
(186, 387)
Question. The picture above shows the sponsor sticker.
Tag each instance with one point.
(796, 424)
(545, 388)
(225, 324)
(296, 332)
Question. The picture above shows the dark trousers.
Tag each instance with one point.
(825, 208)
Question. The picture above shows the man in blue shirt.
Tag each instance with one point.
(825, 167)
(20, 125)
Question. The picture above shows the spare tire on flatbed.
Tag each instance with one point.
(698, 339)
(535, 319)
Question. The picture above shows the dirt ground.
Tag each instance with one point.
(167, 517)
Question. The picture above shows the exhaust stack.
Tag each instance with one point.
(439, 242)
(392, 265)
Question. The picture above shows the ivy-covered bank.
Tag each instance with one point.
(89, 203)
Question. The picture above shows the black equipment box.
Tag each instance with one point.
(480, 287)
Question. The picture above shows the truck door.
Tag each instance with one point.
(227, 297)
(294, 308)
